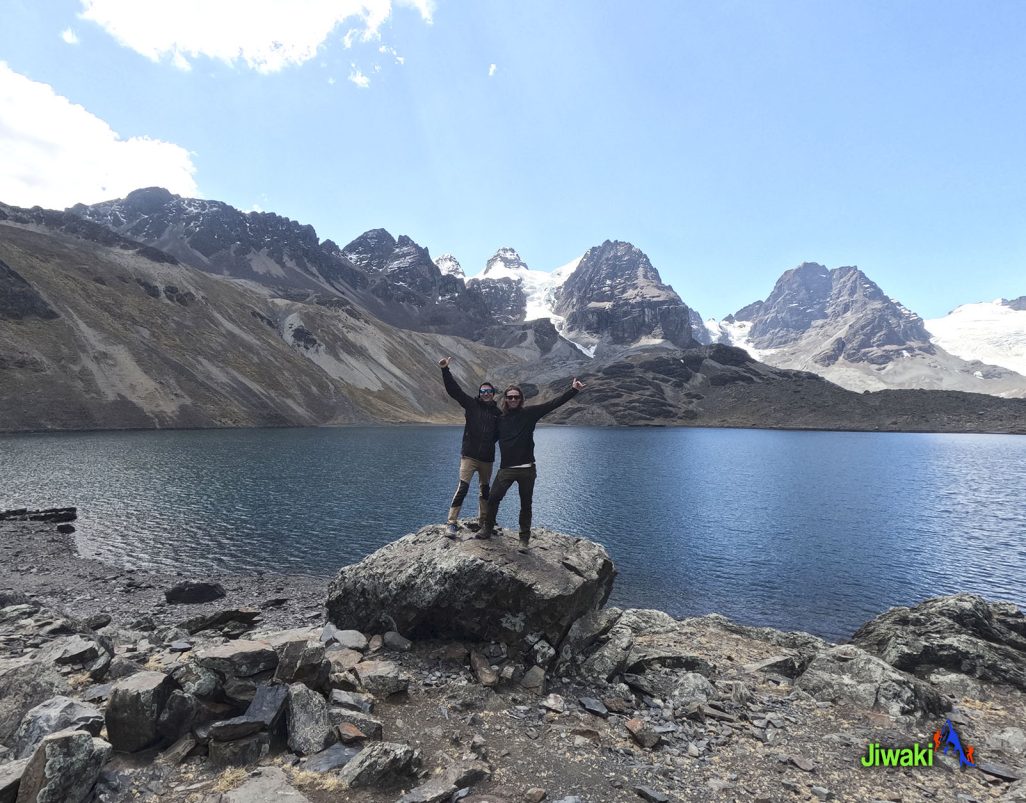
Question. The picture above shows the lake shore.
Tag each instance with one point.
(767, 740)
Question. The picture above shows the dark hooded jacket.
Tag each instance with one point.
(516, 430)
(481, 429)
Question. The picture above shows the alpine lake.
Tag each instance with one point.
(814, 531)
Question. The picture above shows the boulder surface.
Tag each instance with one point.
(427, 586)
(961, 633)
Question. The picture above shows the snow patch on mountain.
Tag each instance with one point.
(735, 333)
(450, 266)
(539, 286)
(992, 332)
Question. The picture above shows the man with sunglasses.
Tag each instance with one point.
(516, 443)
(477, 453)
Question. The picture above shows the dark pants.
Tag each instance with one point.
(524, 478)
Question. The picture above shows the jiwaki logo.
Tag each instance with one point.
(918, 755)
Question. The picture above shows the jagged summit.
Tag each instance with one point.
(505, 260)
(450, 266)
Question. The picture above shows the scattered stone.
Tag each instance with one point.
(349, 639)
(396, 642)
(534, 680)
(177, 752)
(369, 726)
(178, 715)
(482, 668)
(190, 592)
(555, 702)
(349, 733)
(302, 661)
(63, 767)
(822, 793)
(802, 763)
(643, 733)
(334, 757)
(246, 617)
(787, 666)
(228, 730)
(268, 706)
(134, 710)
(650, 794)
(381, 764)
(180, 646)
(239, 658)
(534, 795)
(342, 659)
(98, 621)
(240, 752)
(56, 714)
(593, 706)
(352, 700)
(309, 727)
(382, 678)
(71, 650)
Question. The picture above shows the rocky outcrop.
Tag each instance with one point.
(63, 768)
(846, 674)
(56, 714)
(961, 634)
(616, 298)
(426, 586)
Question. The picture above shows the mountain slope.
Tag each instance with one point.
(99, 337)
(841, 325)
(991, 332)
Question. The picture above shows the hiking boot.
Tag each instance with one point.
(525, 541)
(485, 532)
(451, 530)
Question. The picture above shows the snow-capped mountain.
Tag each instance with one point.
(449, 266)
(507, 270)
(839, 324)
(992, 332)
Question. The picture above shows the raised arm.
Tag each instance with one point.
(452, 387)
(538, 410)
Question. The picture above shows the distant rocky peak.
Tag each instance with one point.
(609, 270)
(450, 266)
(149, 200)
(505, 258)
(371, 249)
(1018, 304)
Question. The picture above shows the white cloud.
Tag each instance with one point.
(358, 77)
(69, 36)
(54, 153)
(265, 35)
(491, 70)
(391, 51)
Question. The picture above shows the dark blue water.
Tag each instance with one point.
(816, 531)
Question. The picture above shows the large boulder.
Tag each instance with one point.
(961, 633)
(24, 684)
(63, 768)
(133, 713)
(851, 676)
(427, 586)
(56, 714)
(381, 764)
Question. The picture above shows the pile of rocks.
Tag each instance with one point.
(450, 665)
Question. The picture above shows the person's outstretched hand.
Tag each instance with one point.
(444, 362)
(577, 384)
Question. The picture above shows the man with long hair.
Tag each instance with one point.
(477, 452)
(516, 445)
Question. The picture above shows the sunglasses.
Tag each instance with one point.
(513, 398)
(486, 392)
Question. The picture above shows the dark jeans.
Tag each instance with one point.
(524, 478)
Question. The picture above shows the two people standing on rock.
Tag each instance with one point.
(514, 431)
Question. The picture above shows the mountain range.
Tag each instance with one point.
(161, 311)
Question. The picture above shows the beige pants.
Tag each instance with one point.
(468, 467)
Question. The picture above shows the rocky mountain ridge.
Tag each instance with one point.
(840, 324)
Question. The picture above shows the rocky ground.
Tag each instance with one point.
(253, 696)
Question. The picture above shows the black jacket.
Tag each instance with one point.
(480, 431)
(516, 430)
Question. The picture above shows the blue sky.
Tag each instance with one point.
(728, 140)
